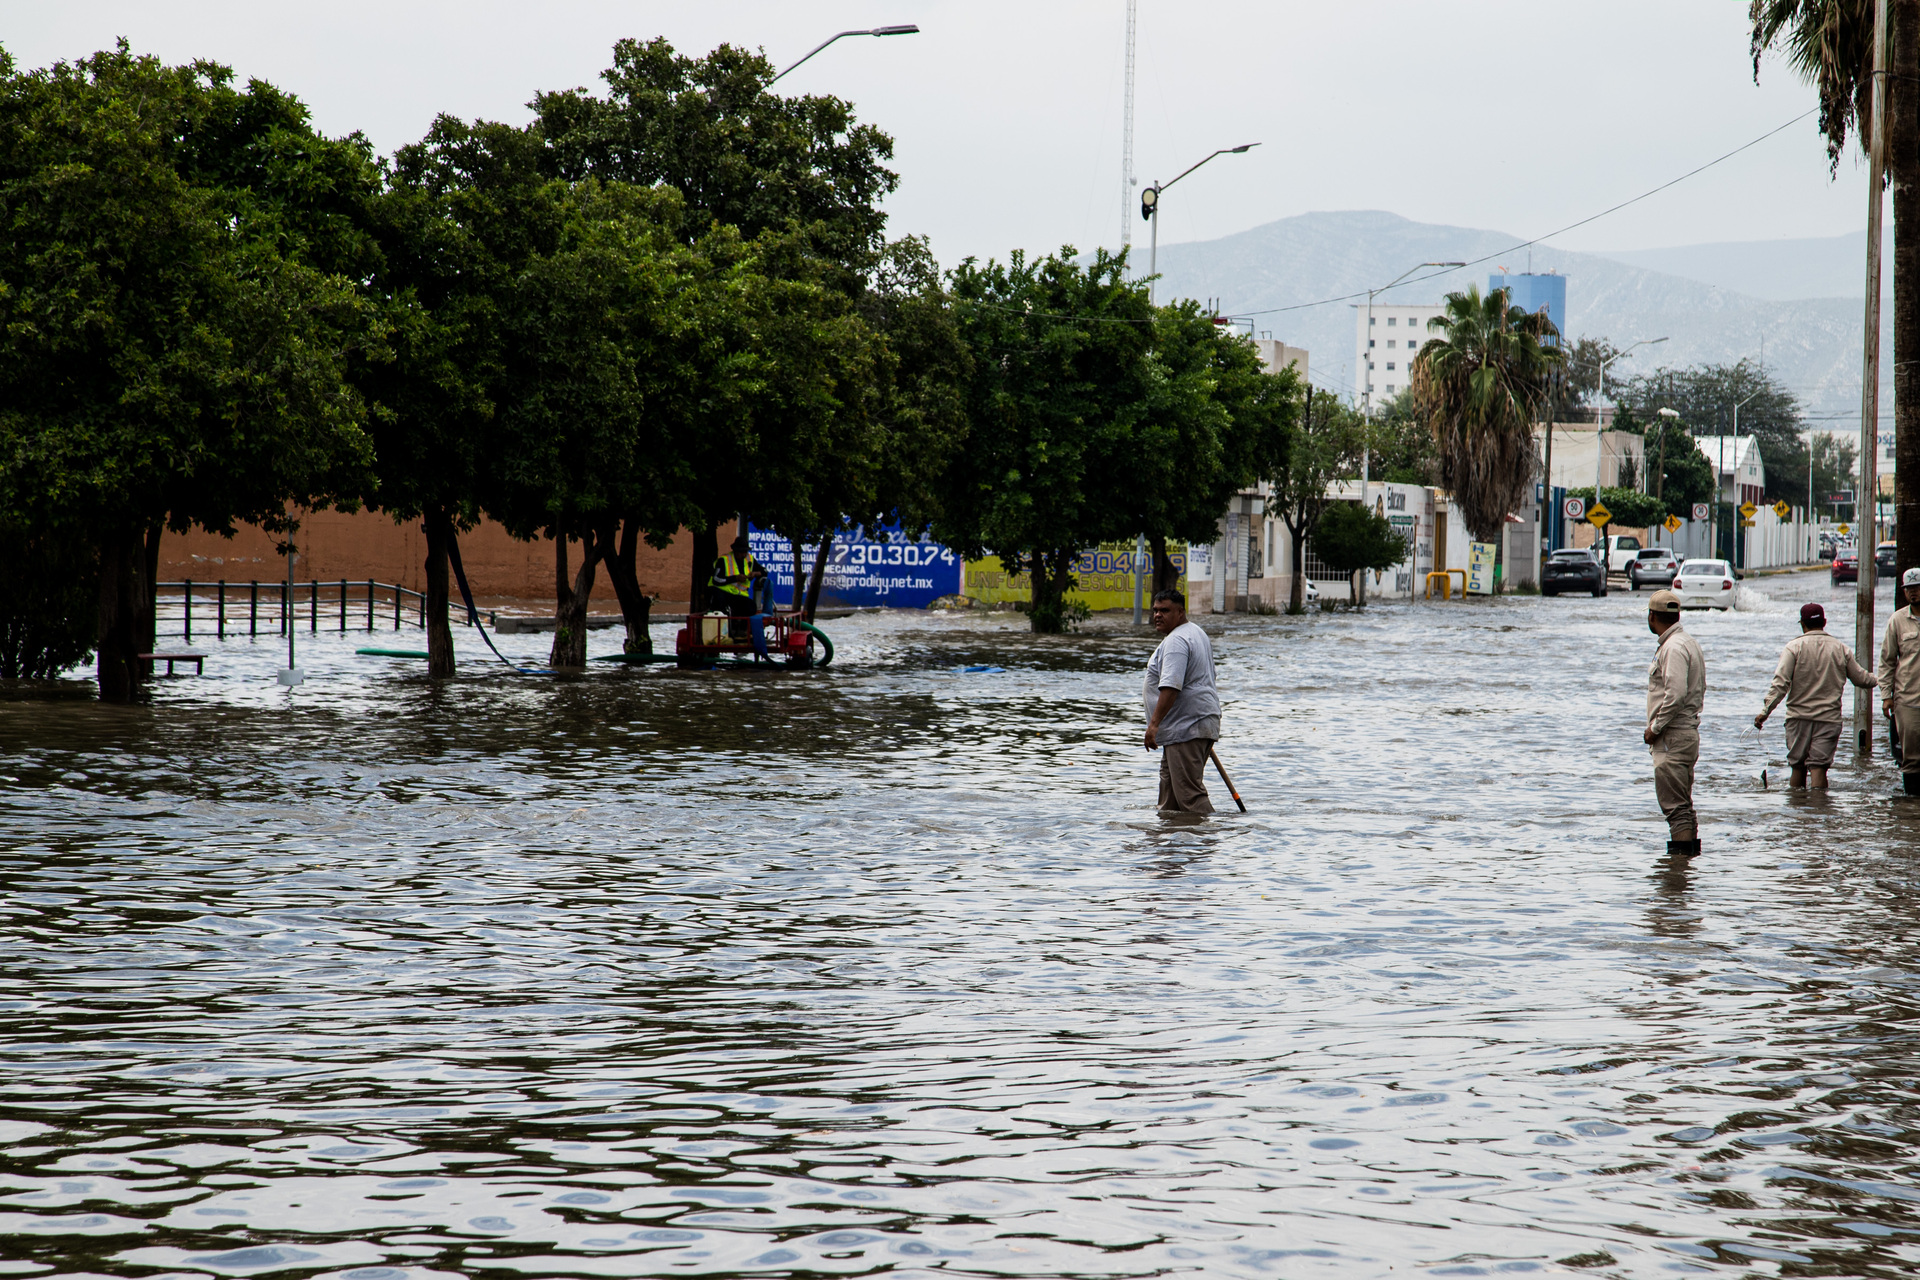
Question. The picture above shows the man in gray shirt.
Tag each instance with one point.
(1183, 709)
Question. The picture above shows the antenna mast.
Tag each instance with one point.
(1126, 141)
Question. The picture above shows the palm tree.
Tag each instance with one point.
(1480, 387)
(1829, 44)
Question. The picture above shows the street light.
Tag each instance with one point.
(903, 29)
(1660, 470)
(1150, 205)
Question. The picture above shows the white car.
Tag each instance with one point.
(1622, 550)
(1704, 584)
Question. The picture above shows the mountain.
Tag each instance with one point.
(1782, 270)
(1283, 273)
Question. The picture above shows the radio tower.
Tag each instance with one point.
(1126, 142)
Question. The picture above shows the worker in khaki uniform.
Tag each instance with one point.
(1676, 691)
(1900, 679)
(1813, 672)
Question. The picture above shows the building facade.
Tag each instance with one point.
(1532, 293)
(1382, 355)
(1742, 475)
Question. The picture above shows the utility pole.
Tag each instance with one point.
(1126, 139)
(1870, 376)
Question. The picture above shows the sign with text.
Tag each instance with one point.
(891, 571)
(1480, 568)
(1574, 508)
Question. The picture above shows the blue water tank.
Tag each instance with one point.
(1532, 292)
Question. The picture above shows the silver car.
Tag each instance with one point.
(1655, 566)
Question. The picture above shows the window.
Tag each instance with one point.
(1369, 366)
(1369, 320)
(1389, 388)
(1392, 320)
(1389, 366)
(1369, 342)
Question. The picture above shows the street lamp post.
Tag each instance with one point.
(1150, 205)
(1736, 477)
(1600, 394)
(902, 29)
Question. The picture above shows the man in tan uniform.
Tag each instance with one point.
(1676, 691)
(1900, 679)
(1813, 673)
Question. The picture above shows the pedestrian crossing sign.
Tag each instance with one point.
(1781, 509)
(1598, 513)
(1747, 509)
(1672, 524)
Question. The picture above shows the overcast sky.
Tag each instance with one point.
(1512, 115)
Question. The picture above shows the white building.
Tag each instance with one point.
(1742, 475)
(1383, 353)
(1277, 355)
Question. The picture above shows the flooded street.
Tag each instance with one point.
(890, 967)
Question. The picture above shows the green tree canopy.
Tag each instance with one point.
(1351, 537)
(176, 324)
(1325, 449)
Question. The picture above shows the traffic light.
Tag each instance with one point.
(1149, 201)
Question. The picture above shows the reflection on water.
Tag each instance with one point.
(891, 967)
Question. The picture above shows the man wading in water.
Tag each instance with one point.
(1676, 691)
(1183, 710)
(1813, 673)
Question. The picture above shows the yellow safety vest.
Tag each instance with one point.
(730, 566)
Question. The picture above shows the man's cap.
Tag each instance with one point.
(1911, 578)
(1664, 602)
(1813, 615)
(740, 538)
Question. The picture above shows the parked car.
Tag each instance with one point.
(1574, 570)
(1883, 556)
(1622, 549)
(1846, 565)
(1655, 565)
(1704, 584)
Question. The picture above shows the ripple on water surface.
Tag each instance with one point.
(890, 967)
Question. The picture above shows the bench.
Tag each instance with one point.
(197, 659)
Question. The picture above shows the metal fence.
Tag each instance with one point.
(255, 608)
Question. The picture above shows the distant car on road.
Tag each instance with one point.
(1883, 556)
(1704, 584)
(1574, 570)
(1655, 565)
(1846, 565)
(1621, 552)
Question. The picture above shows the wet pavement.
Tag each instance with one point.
(891, 967)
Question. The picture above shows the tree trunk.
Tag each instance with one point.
(1297, 595)
(122, 593)
(1903, 157)
(819, 574)
(1165, 576)
(636, 606)
(148, 624)
(706, 549)
(1047, 613)
(439, 533)
(570, 608)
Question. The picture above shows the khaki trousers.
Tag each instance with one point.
(1908, 718)
(1674, 755)
(1812, 743)
(1183, 776)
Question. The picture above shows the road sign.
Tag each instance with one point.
(1746, 524)
(1781, 509)
(1747, 509)
(1844, 530)
(1672, 524)
(1598, 514)
(1699, 511)
(1574, 507)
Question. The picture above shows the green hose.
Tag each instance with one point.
(825, 641)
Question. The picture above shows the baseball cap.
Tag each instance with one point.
(1813, 613)
(1911, 578)
(1664, 602)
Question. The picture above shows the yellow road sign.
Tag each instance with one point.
(1672, 524)
(1844, 531)
(1747, 509)
(1781, 509)
(1598, 513)
(1746, 524)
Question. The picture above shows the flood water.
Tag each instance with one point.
(892, 968)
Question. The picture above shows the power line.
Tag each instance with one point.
(1498, 253)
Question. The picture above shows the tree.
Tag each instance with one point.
(1351, 538)
(178, 317)
(1829, 44)
(1628, 508)
(1325, 450)
(1481, 387)
(1060, 379)
(1400, 444)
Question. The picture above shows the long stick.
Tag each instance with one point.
(1224, 778)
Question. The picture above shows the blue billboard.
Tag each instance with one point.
(892, 572)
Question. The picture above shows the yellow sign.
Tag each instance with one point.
(1598, 513)
(1672, 524)
(1746, 524)
(1103, 578)
(1747, 509)
(1844, 531)
(1781, 509)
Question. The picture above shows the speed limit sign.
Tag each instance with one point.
(1574, 508)
(1699, 511)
